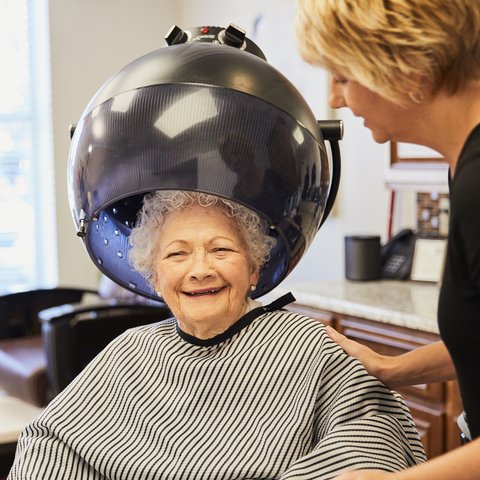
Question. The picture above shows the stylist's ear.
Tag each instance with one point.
(419, 88)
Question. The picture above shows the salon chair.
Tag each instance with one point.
(18, 311)
(71, 336)
(22, 357)
(23, 377)
(74, 335)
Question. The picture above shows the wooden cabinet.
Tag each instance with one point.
(434, 407)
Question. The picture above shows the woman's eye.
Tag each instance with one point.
(221, 250)
(175, 254)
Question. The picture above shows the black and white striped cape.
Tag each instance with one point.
(272, 398)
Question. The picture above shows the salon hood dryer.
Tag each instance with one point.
(206, 113)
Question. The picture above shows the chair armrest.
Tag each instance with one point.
(74, 334)
(23, 369)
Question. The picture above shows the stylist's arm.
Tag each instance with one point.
(460, 464)
(428, 364)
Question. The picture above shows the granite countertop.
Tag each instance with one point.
(403, 303)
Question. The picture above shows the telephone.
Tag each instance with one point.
(397, 255)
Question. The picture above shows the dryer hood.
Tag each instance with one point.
(206, 113)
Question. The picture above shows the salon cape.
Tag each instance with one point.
(271, 398)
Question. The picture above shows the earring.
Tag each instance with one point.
(253, 288)
(416, 97)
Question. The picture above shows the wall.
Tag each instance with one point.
(90, 40)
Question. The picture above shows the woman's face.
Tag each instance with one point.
(202, 270)
(387, 120)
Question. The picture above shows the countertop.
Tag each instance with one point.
(403, 303)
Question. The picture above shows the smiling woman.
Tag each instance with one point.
(227, 388)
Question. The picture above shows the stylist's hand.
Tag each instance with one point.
(374, 363)
(366, 475)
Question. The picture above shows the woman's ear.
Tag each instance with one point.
(156, 283)
(255, 275)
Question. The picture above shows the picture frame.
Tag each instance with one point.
(428, 259)
(416, 168)
(411, 153)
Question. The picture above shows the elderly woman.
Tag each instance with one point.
(411, 69)
(225, 389)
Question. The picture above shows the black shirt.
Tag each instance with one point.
(459, 303)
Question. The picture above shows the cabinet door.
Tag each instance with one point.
(453, 407)
(430, 421)
(325, 317)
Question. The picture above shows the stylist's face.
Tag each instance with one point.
(386, 120)
(202, 270)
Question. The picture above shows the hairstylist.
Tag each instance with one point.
(411, 69)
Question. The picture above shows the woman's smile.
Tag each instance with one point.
(211, 292)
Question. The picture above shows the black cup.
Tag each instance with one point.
(362, 257)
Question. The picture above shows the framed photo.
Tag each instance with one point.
(411, 153)
(416, 168)
(428, 259)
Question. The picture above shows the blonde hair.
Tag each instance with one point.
(158, 205)
(388, 45)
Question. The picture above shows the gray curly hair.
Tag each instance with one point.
(159, 204)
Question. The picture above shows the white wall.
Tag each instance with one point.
(90, 40)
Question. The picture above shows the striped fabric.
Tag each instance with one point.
(277, 399)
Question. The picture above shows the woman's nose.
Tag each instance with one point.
(201, 266)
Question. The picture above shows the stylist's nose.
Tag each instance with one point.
(336, 98)
(200, 267)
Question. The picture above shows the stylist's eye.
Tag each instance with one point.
(339, 79)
